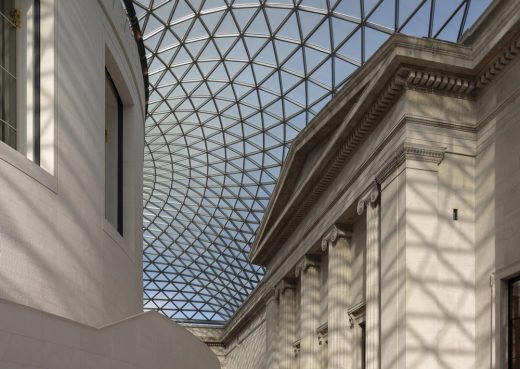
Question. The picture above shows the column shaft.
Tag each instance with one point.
(309, 316)
(287, 327)
(372, 287)
(272, 343)
(340, 259)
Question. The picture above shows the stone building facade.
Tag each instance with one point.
(391, 240)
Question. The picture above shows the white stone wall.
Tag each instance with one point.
(248, 349)
(32, 339)
(57, 253)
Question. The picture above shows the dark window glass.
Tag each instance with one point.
(8, 26)
(514, 324)
(113, 155)
(363, 345)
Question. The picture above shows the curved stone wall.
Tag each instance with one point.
(57, 252)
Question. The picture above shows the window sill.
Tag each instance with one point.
(26, 166)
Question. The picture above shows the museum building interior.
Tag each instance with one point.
(259, 184)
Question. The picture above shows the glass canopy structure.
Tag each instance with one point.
(231, 85)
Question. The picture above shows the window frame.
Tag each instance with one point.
(357, 320)
(120, 107)
(37, 82)
(21, 142)
(510, 284)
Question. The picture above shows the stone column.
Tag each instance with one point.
(337, 243)
(272, 343)
(309, 272)
(371, 203)
(287, 323)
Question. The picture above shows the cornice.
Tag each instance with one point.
(439, 82)
(406, 77)
(356, 314)
(498, 64)
(408, 151)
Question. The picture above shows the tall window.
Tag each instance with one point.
(362, 343)
(9, 23)
(357, 322)
(514, 324)
(113, 155)
(20, 75)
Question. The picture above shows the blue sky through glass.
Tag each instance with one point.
(231, 85)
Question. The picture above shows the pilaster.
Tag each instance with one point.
(370, 205)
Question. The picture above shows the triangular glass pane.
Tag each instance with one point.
(350, 8)
(313, 58)
(290, 28)
(321, 37)
(267, 55)
(275, 17)
(309, 21)
(258, 25)
(444, 9)
(283, 49)
(224, 43)
(209, 52)
(254, 44)
(211, 20)
(352, 48)
(450, 32)
(383, 15)
(197, 30)
(243, 15)
(227, 26)
(324, 73)
(407, 8)
(373, 41)
(342, 70)
(295, 63)
(238, 52)
(419, 24)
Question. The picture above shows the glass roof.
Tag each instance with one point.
(231, 85)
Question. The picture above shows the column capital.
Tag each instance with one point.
(371, 197)
(305, 263)
(296, 347)
(336, 232)
(323, 334)
(283, 285)
(272, 294)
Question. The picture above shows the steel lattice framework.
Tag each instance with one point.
(231, 84)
